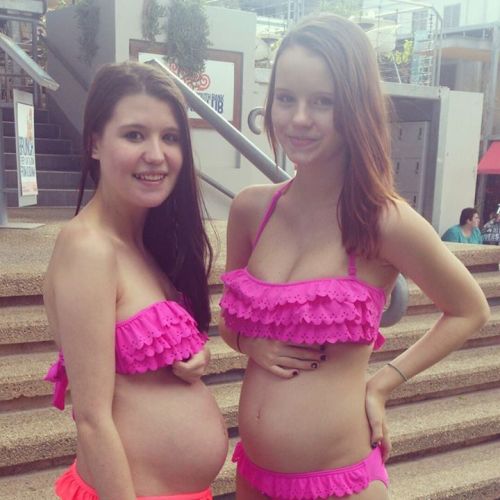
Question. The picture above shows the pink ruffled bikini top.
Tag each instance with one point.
(153, 338)
(340, 309)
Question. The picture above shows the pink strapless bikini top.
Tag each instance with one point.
(341, 309)
(153, 338)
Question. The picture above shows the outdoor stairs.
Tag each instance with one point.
(58, 166)
(445, 422)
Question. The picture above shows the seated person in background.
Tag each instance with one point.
(491, 230)
(467, 231)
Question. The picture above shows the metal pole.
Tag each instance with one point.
(230, 133)
(34, 56)
(3, 183)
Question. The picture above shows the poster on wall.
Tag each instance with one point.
(24, 113)
(219, 85)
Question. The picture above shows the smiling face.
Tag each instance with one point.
(475, 220)
(139, 152)
(302, 111)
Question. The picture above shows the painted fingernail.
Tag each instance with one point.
(314, 365)
(374, 445)
(323, 357)
(295, 373)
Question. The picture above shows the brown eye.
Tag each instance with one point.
(133, 135)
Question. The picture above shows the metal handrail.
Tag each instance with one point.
(217, 185)
(267, 166)
(38, 74)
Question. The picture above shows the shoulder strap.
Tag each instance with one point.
(352, 265)
(269, 211)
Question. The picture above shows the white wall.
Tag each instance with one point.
(120, 21)
(63, 33)
(458, 148)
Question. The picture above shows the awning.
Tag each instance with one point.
(490, 162)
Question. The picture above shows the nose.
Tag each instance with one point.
(301, 115)
(153, 153)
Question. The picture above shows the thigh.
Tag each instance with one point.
(245, 491)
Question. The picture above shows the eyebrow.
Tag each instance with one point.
(321, 92)
(171, 128)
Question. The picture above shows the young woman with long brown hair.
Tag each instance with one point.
(310, 264)
(126, 296)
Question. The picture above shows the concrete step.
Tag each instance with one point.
(55, 179)
(469, 473)
(417, 428)
(21, 375)
(42, 130)
(488, 281)
(24, 324)
(49, 197)
(48, 161)
(41, 115)
(405, 333)
(42, 145)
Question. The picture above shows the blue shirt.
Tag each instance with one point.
(456, 235)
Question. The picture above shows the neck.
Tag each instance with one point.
(124, 222)
(318, 186)
(467, 229)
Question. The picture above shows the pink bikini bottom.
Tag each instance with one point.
(312, 485)
(70, 486)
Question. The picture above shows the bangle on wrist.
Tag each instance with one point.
(403, 376)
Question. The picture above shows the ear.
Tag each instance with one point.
(95, 147)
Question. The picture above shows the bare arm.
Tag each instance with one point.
(412, 246)
(85, 284)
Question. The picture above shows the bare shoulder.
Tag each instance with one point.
(245, 216)
(82, 249)
(250, 203)
(400, 223)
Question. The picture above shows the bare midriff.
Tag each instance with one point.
(173, 433)
(314, 421)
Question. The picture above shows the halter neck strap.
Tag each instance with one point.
(269, 211)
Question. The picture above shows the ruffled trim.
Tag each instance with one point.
(317, 311)
(70, 485)
(156, 337)
(302, 486)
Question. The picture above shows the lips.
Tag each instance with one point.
(301, 142)
(150, 177)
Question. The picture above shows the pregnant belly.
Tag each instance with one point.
(173, 434)
(311, 422)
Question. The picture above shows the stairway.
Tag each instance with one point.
(445, 423)
(58, 167)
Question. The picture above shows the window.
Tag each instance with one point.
(451, 16)
(419, 20)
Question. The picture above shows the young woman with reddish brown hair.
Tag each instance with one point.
(310, 264)
(126, 297)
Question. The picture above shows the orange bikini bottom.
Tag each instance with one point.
(70, 486)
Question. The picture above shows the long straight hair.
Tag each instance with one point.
(174, 233)
(361, 120)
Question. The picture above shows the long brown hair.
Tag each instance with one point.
(361, 119)
(174, 232)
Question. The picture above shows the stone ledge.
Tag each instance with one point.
(21, 374)
(416, 428)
